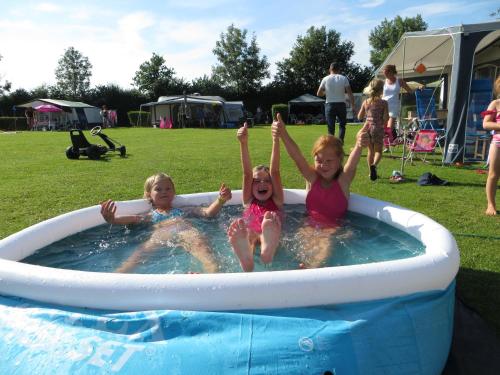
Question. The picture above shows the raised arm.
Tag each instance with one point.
(212, 210)
(279, 130)
(278, 196)
(246, 164)
(108, 212)
(352, 163)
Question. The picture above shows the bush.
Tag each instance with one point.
(282, 109)
(13, 123)
(138, 118)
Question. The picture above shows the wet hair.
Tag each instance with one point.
(497, 87)
(154, 179)
(260, 167)
(390, 68)
(375, 88)
(329, 141)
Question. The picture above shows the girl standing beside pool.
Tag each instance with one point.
(263, 201)
(492, 122)
(169, 222)
(327, 185)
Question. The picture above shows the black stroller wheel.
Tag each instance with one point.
(72, 152)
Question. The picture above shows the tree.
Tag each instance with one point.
(240, 68)
(310, 58)
(5, 86)
(154, 78)
(384, 37)
(73, 74)
(206, 86)
(496, 13)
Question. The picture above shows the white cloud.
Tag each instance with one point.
(372, 3)
(47, 8)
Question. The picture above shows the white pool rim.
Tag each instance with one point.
(432, 271)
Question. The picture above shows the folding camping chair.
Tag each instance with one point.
(480, 96)
(427, 118)
(424, 143)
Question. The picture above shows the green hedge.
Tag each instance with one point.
(282, 109)
(13, 123)
(134, 120)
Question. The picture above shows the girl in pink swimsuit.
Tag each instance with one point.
(263, 200)
(492, 122)
(327, 183)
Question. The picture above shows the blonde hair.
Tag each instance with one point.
(329, 141)
(497, 86)
(154, 179)
(260, 167)
(374, 89)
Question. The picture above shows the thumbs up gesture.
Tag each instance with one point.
(278, 126)
(242, 133)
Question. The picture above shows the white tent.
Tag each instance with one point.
(74, 114)
(190, 110)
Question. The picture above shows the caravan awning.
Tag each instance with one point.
(307, 99)
(188, 99)
(433, 48)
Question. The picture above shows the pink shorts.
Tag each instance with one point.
(496, 139)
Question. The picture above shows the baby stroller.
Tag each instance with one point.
(80, 145)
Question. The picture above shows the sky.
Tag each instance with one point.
(118, 36)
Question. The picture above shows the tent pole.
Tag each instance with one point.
(404, 128)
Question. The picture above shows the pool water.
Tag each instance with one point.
(103, 249)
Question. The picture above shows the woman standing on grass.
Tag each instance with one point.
(492, 122)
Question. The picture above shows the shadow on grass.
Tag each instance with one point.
(475, 347)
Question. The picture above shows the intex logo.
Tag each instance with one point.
(452, 148)
(306, 344)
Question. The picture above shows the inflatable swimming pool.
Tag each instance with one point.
(434, 270)
(387, 317)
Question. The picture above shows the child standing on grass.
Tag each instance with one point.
(327, 185)
(263, 201)
(376, 111)
(169, 222)
(492, 122)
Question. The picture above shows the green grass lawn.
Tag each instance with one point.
(38, 182)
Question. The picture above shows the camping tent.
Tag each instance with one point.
(458, 54)
(305, 106)
(73, 114)
(195, 111)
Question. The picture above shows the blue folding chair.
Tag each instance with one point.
(426, 114)
(480, 96)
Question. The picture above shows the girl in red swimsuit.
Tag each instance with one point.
(327, 184)
(263, 201)
(492, 122)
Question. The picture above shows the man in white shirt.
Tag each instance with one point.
(334, 86)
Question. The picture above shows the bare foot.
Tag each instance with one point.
(238, 238)
(491, 211)
(271, 230)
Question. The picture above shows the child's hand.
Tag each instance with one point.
(363, 138)
(108, 210)
(278, 126)
(225, 193)
(242, 133)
